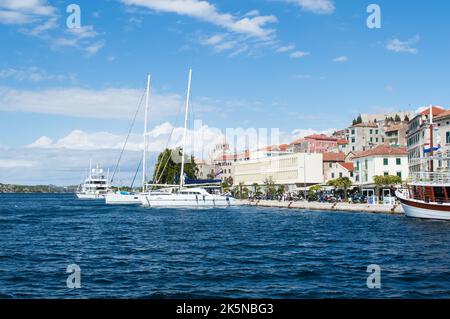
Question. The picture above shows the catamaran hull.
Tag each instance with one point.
(90, 196)
(123, 199)
(180, 203)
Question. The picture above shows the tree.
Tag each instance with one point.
(384, 181)
(343, 183)
(406, 119)
(256, 189)
(227, 184)
(280, 190)
(269, 186)
(359, 119)
(397, 118)
(168, 172)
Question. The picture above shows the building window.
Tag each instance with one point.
(366, 164)
(382, 139)
(398, 161)
(376, 132)
(353, 132)
(376, 140)
(340, 175)
(353, 140)
(357, 165)
(399, 174)
(332, 175)
(386, 173)
(371, 140)
(371, 131)
(385, 161)
(330, 165)
(447, 137)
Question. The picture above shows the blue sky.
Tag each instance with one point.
(296, 65)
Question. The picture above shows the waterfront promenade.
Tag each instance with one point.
(345, 207)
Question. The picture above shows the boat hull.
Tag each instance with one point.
(424, 210)
(123, 199)
(151, 201)
(90, 196)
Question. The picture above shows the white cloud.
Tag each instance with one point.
(24, 11)
(13, 163)
(300, 133)
(252, 25)
(397, 45)
(299, 54)
(83, 38)
(340, 59)
(314, 6)
(33, 74)
(117, 103)
(285, 48)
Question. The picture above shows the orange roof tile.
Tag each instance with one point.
(436, 110)
(334, 157)
(382, 150)
(367, 124)
(347, 166)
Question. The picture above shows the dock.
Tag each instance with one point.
(342, 207)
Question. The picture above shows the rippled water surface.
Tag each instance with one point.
(135, 252)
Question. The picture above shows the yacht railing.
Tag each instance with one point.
(430, 177)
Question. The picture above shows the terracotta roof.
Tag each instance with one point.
(320, 137)
(382, 150)
(367, 124)
(342, 142)
(436, 110)
(347, 166)
(334, 157)
(394, 127)
(443, 114)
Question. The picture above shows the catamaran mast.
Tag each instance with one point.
(144, 155)
(185, 129)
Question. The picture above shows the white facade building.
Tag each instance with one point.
(380, 161)
(293, 170)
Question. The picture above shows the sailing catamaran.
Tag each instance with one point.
(180, 195)
(131, 198)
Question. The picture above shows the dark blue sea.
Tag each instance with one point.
(136, 252)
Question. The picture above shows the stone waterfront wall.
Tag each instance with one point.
(346, 207)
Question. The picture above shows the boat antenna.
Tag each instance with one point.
(185, 129)
(144, 155)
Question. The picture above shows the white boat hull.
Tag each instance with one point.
(123, 199)
(90, 196)
(174, 201)
(418, 212)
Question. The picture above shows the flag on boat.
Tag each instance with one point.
(218, 172)
(427, 148)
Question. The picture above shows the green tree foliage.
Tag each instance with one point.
(388, 180)
(359, 119)
(397, 118)
(256, 189)
(167, 171)
(406, 119)
(343, 183)
(227, 184)
(269, 186)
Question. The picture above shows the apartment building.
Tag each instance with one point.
(418, 135)
(382, 160)
(365, 136)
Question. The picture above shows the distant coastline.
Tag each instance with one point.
(11, 188)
